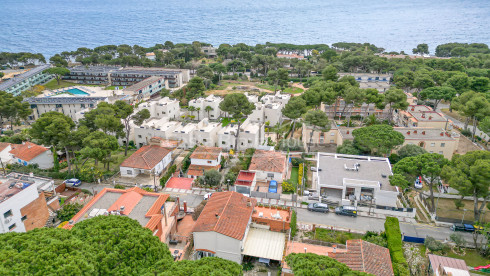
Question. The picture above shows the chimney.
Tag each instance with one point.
(185, 206)
(408, 132)
(415, 132)
(413, 108)
(334, 248)
(347, 132)
(442, 133)
(423, 115)
(430, 117)
(423, 132)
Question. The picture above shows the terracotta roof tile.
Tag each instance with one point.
(227, 213)
(207, 153)
(268, 161)
(197, 170)
(436, 261)
(27, 151)
(147, 157)
(179, 183)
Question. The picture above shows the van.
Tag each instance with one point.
(346, 211)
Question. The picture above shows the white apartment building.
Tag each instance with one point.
(70, 106)
(206, 133)
(251, 136)
(203, 103)
(165, 107)
(269, 109)
(162, 128)
(184, 132)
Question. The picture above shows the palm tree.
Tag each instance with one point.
(208, 109)
(191, 109)
(198, 115)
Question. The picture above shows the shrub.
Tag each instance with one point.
(120, 187)
(435, 245)
(300, 173)
(466, 132)
(293, 225)
(198, 210)
(395, 245)
(458, 239)
(287, 187)
(68, 211)
(458, 203)
(167, 175)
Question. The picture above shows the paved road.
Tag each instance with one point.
(375, 224)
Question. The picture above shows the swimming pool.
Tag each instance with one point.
(76, 91)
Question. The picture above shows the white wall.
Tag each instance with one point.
(133, 172)
(43, 160)
(206, 162)
(15, 203)
(262, 175)
(128, 172)
(224, 246)
(5, 155)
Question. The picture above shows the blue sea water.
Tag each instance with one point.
(52, 26)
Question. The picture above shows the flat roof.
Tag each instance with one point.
(271, 213)
(19, 78)
(264, 243)
(331, 169)
(64, 100)
(426, 133)
(428, 116)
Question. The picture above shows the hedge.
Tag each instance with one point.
(293, 224)
(167, 175)
(395, 245)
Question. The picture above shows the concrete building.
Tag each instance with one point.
(337, 109)
(269, 109)
(245, 182)
(151, 56)
(433, 140)
(146, 88)
(223, 226)
(31, 154)
(163, 108)
(25, 81)
(151, 160)
(119, 76)
(23, 205)
(209, 51)
(203, 103)
(184, 132)
(151, 210)
(204, 159)
(74, 107)
(206, 133)
(351, 180)
(162, 128)
(269, 165)
(422, 116)
(251, 136)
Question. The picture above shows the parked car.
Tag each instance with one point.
(207, 196)
(462, 227)
(73, 182)
(346, 211)
(418, 183)
(273, 186)
(318, 207)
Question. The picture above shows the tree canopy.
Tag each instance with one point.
(309, 264)
(377, 139)
(104, 245)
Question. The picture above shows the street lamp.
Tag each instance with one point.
(228, 184)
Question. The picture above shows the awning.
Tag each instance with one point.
(266, 244)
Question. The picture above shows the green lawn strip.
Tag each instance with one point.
(332, 236)
(53, 84)
(294, 176)
(472, 258)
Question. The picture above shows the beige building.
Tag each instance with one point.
(422, 116)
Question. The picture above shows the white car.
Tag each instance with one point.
(418, 183)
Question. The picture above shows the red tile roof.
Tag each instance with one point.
(147, 157)
(197, 170)
(268, 161)
(129, 199)
(245, 178)
(436, 261)
(207, 153)
(162, 142)
(367, 257)
(27, 151)
(227, 213)
(180, 183)
(3, 145)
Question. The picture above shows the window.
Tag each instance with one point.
(432, 144)
(441, 152)
(223, 143)
(129, 172)
(139, 136)
(331, 141)
(12, 227)
(270, 175)
(8, 214)
(23, 218)
(250, 141)
(443, 145)
(204, 140)
(332, 134)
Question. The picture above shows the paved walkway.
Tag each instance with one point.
(461, 124)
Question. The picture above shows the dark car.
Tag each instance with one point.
(318, 207)
(346, 211)
(462, 227)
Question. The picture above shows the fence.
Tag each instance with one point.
(265, 195)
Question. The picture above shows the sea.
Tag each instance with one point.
(53, 26)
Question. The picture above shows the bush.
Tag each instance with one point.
(198, 210)
(435, 245)
(458, 203)
(120, 187)
(466, 132)
(400, 269)
(395, 245)
(287, 187)
(293, 224)
(458, 239)
(167, 175)
(68, 211)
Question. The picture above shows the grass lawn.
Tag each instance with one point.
(334, 236)
(472, 258)
(53, 84)
(293, 90)
(455, 114)
(118, 157)
(294, 175)
(225, 84)
(447, 209)
(112, 87)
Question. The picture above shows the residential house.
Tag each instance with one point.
(422, 116)
(146, 88)
(446, 266)
(184, 132)
(151, 210)
(26, 80)
(151, 56)
(150, 159)
(209, 51)
(277, 219)
(290, 56)
(343, 179)
(223, 226)
(269, 109)
(358, 255)
(380, 82)
(251, 136)
(23, 205)
(31, 154)
(204, 159)
(269, 165)
(162, 128)
(202, 103)
(364, 110)
(5, 156)
(433, 140)
(206, 133)
(163, 108)
(245, 182)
